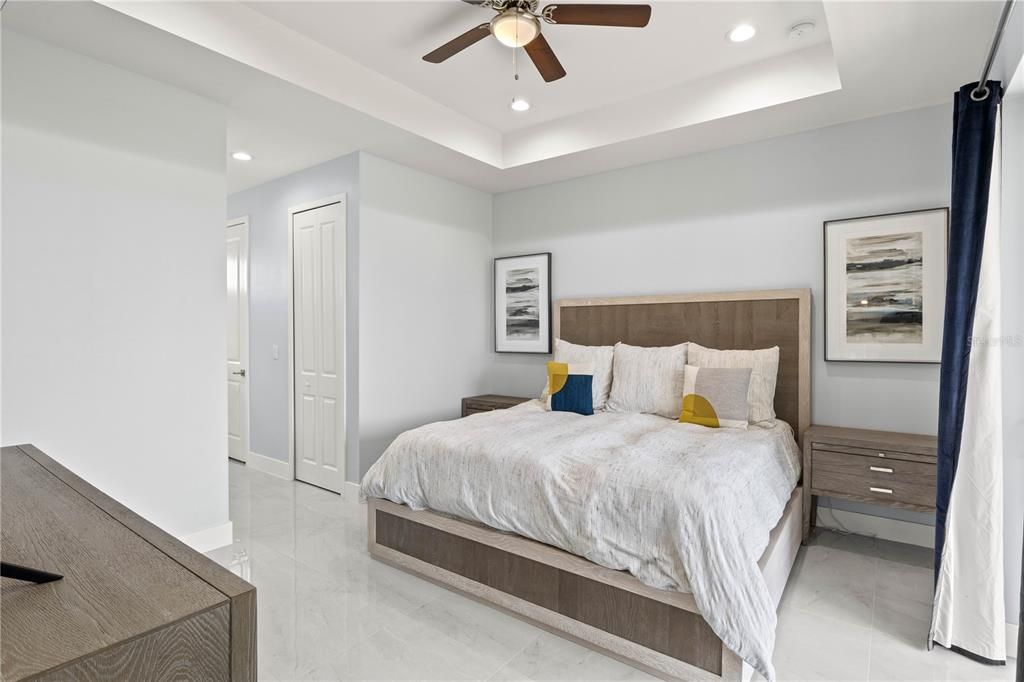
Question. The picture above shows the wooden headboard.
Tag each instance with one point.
(734, 320)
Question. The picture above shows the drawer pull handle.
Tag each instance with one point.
(887, 491)
(882, 470)
(881, 454)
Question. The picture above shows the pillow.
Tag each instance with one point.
(716, 397)
(598, 356)
(648, 380)
(570, 388)
(765, 365)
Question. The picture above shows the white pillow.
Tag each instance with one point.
(648, 380)
(598, 356)
(765, 364)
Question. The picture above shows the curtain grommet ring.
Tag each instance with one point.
(980, 94)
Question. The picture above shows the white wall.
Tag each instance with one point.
(267, 206)
(747, 217)
(113, 334)
(424, 300)
(1012, 224)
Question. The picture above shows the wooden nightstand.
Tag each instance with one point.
(880, 467)
(489, 403)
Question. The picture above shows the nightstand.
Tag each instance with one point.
(879, 467)
(489, 403)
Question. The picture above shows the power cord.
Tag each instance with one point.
(840, 528)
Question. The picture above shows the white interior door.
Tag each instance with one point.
(318, 309)
(238, 338)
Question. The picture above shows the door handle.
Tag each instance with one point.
(240, 372)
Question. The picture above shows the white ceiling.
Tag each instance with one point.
(684, 41)
(299, 94)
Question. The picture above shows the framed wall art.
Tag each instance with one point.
(522, 304)
(885, 287)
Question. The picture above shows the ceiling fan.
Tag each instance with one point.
(518, 24)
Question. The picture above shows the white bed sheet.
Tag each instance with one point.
(679, 506)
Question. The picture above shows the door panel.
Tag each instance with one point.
(237, 318)
(318, 289)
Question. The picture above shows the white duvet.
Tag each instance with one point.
(679, 506)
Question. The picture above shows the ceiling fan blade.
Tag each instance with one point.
(453, 47)
(634, 16)
(544, 59)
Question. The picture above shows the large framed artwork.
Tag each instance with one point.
(522, 304)
(885, 287)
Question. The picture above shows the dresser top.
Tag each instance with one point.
(121, 576)
(914, 443)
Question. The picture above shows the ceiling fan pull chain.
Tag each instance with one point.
(515, 52)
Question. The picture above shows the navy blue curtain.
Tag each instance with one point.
(974, 134)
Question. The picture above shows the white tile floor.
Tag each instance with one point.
(855, 608)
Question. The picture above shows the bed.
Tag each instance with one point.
(701, 609)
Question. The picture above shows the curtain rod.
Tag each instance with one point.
(981, 92)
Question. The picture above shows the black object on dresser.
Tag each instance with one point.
(489, 403)
(134, 603)
(879, 467)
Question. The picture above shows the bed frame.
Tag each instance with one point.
(659, 631)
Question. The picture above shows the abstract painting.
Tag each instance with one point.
(522, 304)
(885, 287)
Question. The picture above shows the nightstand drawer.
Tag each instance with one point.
(876, 453)
(886, 480)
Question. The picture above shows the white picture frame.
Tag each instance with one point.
(885, 287)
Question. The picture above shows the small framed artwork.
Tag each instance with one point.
(522, 304)
(885, 287)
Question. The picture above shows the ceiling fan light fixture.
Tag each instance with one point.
(515, 28)
(519, 104)
(742, 33)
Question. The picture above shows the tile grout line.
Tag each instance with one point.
(874, 606)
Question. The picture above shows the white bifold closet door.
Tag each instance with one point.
(318, 309)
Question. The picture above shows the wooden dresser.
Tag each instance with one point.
(134, 602)
(488, 403)
(879, 467)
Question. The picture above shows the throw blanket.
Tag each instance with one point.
(679, 506)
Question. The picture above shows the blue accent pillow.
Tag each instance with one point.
(570, 388)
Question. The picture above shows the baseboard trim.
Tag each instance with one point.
(877, 526)
(269, 465)
(209, 539)
(350, 492)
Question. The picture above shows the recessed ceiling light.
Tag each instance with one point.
(742, 33)
(519, 104)
(241, 156)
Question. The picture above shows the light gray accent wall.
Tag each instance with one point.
(425, 292)
(1012, 225)
(267, 207)
(747, 217)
